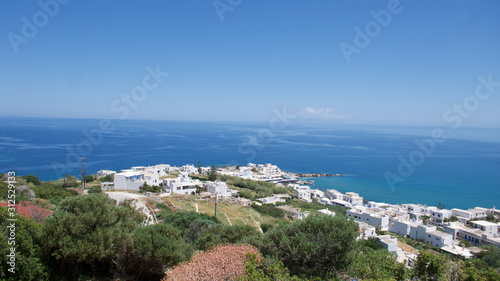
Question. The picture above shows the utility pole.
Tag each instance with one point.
(83, 173)
(215, 204)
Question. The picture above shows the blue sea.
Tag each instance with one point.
(461, 171)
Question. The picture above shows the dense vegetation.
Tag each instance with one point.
(255, 189)
(90, 237)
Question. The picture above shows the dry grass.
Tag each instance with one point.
(237, 215)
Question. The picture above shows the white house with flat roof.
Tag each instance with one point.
(334, 194)
(151, 178)
(431, 235)
(369, 216)
(317, 194)
(295, 213)
(303, 192)
(183, 184)
(485, 226)
(103, 173)
(190, 169)
(275, 198)
(478, 237)
(439, 215)
(218, 188)
(454, 228)
(326, 212)
(401, 227)
(366, 231)
(353, 198)
(128, 180)
(389, 242)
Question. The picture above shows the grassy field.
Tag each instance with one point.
(227, 214)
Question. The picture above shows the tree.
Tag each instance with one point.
(377, 265)
(212, 175)
(33, 179)
(266, 270)
(108, 178)
(156, 246)
(199, 167)
(316, 246)
(89, 178)
(28, 257)
(88, 234)
(94, 189)
(430, 267)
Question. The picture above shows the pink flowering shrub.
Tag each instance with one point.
(222, 262)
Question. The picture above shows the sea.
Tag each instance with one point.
(459, 168)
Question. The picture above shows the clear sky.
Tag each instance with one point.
(237, 60)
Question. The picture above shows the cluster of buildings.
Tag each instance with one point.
(172, 179)
(440, 228)
(259, 172)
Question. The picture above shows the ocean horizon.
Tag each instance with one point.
(383, 163)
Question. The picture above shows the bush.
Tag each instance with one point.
(108, 178)
(316, 246)
(156, 246)
(269, 210)
(33, 179)
(224, 262)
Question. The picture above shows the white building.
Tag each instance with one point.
(470, 214)
(269, 170)
(294, 212)
(190, 169)
(353, 198)
(275, 198)
(128, 180)
(317, 194)
(303, 192)
(103, 173)
(416, 211)
(183, 184)
(326, 212)
(478, 237)
(334, 194)
(431, 235)
(161, 170)
(439, 215)
(369, 216)
(389, 242)
(219, 188)
(486, 226)
(401, 227)
(366, 231)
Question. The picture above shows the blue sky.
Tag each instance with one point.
(259, 56)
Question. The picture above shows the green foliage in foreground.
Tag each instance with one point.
(156, 246)
(88, 237)
(89, 233)
(377, 265)
(316, 246)
(28, 263)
